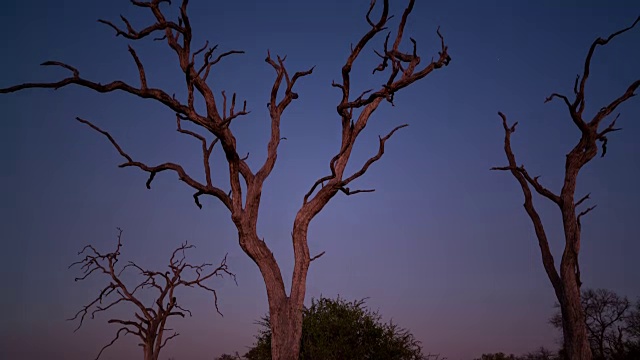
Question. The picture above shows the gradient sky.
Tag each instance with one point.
(443, 246)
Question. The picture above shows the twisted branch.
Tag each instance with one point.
(403, 72)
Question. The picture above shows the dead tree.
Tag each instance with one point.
(400, 70)
(566, 283)
(148, 321)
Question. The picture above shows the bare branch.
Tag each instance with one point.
(76, 73)
(371, 160)
(132, 34)
(206, 153)
(275, 112)
(315, 185)
(533, 181)
(402, 74)
(601, 136)
(232, 114)
(168, 338)
(155, 94)
(348, 191)
(206, 66)
(153, 170)
(583, 213)
(126, 331)
(576, 107)
(400, 63)
(143, 76)
(547, 256)
(556, 95)
(583, 199)
(579, 101)
(317, 256)
(212, 122)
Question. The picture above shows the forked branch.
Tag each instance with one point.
(402, 70)
(178, 169)
(576, 107)
(213, 122)
(374, 158)
(524, 180)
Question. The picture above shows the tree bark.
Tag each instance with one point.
(148, 352)
(285, 312)
(576, 340)
(286, 329)
(574, 322)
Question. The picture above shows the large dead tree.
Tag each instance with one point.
(566, 283)
(148, 321)
(403, 69)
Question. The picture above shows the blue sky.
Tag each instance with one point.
(443, 246)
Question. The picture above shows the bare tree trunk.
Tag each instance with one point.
(286, 329)
(148, 352)
(576, 340)
(574, 323)
(575, 335)
(288, 347)
(285, 312)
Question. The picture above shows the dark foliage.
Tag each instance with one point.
(613, 324)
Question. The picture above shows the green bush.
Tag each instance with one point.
(337, 329)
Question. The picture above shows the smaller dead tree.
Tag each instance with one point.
(566, 282)
(149, 321)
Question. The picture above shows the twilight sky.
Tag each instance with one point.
(443, 246)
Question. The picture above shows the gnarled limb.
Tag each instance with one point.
(576, 107)
(371, 160)
(402, 74)
(182, 174)
(524, 181)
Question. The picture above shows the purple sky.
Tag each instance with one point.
(443, 246)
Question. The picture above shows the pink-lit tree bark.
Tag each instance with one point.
(403, 69)
(148, 321)
(566, 283)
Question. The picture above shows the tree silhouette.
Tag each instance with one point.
(497, 356)
(566, 282)
(540, 354)
(235, 356)
(148, 321)
(403, 69)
